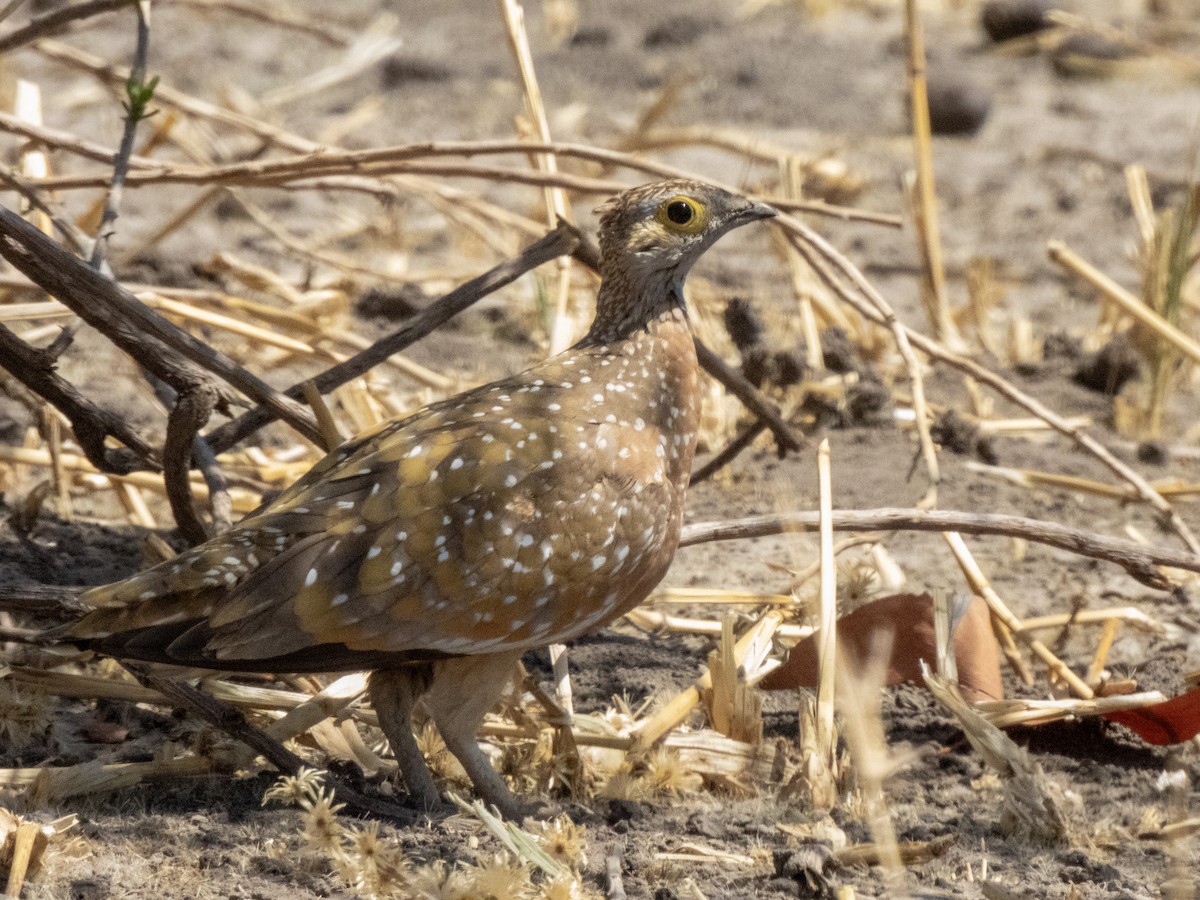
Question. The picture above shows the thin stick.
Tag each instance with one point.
(1139, 561)
(1096, 670)
(979, 584)
(933, 286)
(741, 441)
(823, 255)
(750, 396)
(325, 420)
(1060, 253)
(826, 739)
(313, 162)
(71, 235)
(91, 424)
(55, 22)
(189, 414)
(116, 186)
(813, 247)
(801, 280)
(1008, 646)
(1130, 614)
(143, 333)
(558, 207)
(561, 240)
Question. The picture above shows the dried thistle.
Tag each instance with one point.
(442, 763)
(431, 882)
(373, 867)
(666, 774)
(659, 773)
(858, 580)
(296, 790)
(24, 715)
(499, 877)
(563, 840)
(321, 826)
(564, 887)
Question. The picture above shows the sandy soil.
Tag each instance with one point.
(1046, 164)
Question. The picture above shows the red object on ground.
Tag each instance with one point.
(908, 620)
(1170, 722)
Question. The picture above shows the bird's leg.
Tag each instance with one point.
(463, 690)
(394, 693)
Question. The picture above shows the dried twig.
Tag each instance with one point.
(161, 347)
(929, 240)
(91, 424)
(1139, 561)
(819, 254)
(1060, 253)
(981, 587)
(136, 88)
(741, 441)
(561, 240)
(232, 721)
(828, 257)
(750, 396)
(54, 22)
(189, 414)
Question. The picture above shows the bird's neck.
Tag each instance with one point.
(665, 350)
(626, 305)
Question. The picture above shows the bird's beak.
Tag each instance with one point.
(753, 211)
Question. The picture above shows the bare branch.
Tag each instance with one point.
(158, 345)
(189, 414)
(55, 22)
(1138, 560)
(557, 242)
(91, 424)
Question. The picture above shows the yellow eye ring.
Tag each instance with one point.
(682, 214)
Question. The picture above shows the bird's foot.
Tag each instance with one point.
(518, 811)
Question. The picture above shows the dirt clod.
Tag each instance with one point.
(1004, 20)
(1110, 367)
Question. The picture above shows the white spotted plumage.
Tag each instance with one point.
(525, 512)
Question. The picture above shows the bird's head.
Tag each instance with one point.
(649, 238)
(657, 231)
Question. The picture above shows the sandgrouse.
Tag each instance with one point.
(438, 548)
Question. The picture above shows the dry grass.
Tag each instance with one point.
(272, 322)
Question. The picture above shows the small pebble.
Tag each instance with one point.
(1153, 453)
(593, 36)
(956, 106)
(1084, 54)
(677, 31)
(1109, 368)
(756, 364)
(744, 324)
(1004, 20)
(397, 71)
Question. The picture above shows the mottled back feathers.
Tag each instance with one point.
(525, 512)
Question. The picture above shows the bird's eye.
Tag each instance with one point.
(679, 212)
(682, 214)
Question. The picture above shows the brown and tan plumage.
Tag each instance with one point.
(438, 548)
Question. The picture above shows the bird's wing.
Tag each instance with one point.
(473, 526)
